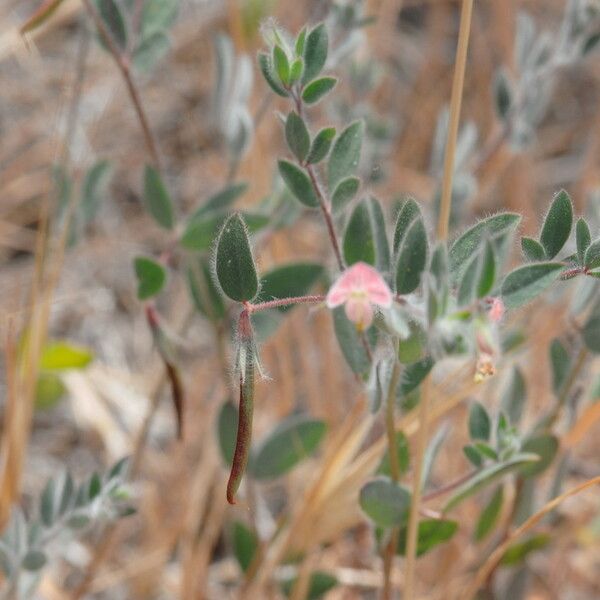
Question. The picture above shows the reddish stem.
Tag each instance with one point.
(252, 308)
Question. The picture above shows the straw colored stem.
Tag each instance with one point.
(455, 105)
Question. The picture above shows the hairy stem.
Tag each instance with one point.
(455, 104)
(413, 521)
(123, 65)
(390, 426)
(252, 308)
(324, 203)
(246, 407)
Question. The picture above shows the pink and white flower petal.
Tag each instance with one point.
(359, 311)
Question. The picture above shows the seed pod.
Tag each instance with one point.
(246, 360)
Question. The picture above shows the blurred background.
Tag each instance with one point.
(64, 110)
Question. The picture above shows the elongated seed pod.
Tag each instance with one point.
(246, 358)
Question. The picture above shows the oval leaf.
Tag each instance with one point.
(315, 52)
(412, 258)
(525, 283)
(151, 277)
(234, 265)
(156, 198)
(292, 441)
(344, 157)
(297, 136)
(298, 183)
(318, 88)
(385, 502)
(557, 224)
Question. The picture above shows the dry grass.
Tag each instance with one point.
(178, 545)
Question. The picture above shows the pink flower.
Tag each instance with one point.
(496, 310)
(359, 288)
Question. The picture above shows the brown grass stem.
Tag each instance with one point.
(455, 105)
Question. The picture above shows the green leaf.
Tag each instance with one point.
(412, 258)
(320, 146)
(583, 238)
(297, 136)
(300, 43)
(234, 265)
(158, 16)
(480, 426)
(525, 283)
(227, 425)
(266, 68)
(245, 544)
(519, 551)
(408, 212)
(487, 271)
(221, 200)
(293, 440)
(298, 182)
(545, 446)
(467, 244)
(557, 224)
(359, 238)
(344, 193)
(92, 186)
(592, 255)
(403, 452)
(414, 374)
(489, 515)
(385, 502)
(47, 504)
(288, 281)
(591, 334)
(486, 476)
(204, 293)
(532, 249)
(111, 16)
(151, 277)
(281, 64)
(49, 390)
(514, 396)
(94, 487)
(473, 455)
(61, 356)
(156, 198)
(319, 584)
(317, 89)
(486, 450)
(34, 560)
(315, 52)
(350, 343)
(431, 533)
(560, 361)
(503, 94)
(150, 51)
(466, 290)
(296, 70)
(345, 154)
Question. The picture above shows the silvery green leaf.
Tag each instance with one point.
(525, 283)
(345, 154)
(412, 258)
(344, 193)
(266, 67)
(315, 52)
(432, 451)
(583, 239)
(532, 249)
(158, 15)
(557, 224)
(408, 212)
(318, 89)
(503, 94)
(591, 259)
(560, 361)
(320, 146)
(298, 182)
(297, 136)
(514, 396)
(150, 51)
(111, 15)
(34, 560)
(524, 38)
(48, 504)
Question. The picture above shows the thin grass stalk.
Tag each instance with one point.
(455, 105)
